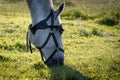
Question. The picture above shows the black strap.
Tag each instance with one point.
(41, 25)
(54, 38)
(28, 43)
(45, 43)
(50, 56)
(52, 21)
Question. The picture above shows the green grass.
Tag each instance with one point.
(92, 50)
(110, 18)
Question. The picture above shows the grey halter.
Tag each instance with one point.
(43, 25)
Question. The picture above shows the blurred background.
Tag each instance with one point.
(91, 40)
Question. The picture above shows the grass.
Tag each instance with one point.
(92, 50)
(110, 18)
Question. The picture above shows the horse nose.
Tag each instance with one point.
(59, 61)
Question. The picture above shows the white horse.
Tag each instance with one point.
(45, 31)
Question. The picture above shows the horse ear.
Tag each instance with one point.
(60, 9)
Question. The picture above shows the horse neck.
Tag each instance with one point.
(39, 16)
(41, 11)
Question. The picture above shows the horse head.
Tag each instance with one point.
(45, 31)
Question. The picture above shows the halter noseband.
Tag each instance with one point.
(43, 25)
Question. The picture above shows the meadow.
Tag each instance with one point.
(91, 41)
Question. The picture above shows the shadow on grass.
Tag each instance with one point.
(66, 73)
(59, 73)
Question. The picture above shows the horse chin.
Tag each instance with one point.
(55, 61)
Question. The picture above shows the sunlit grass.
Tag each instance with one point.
(92, 50)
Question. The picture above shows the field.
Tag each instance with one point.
(91, 41)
